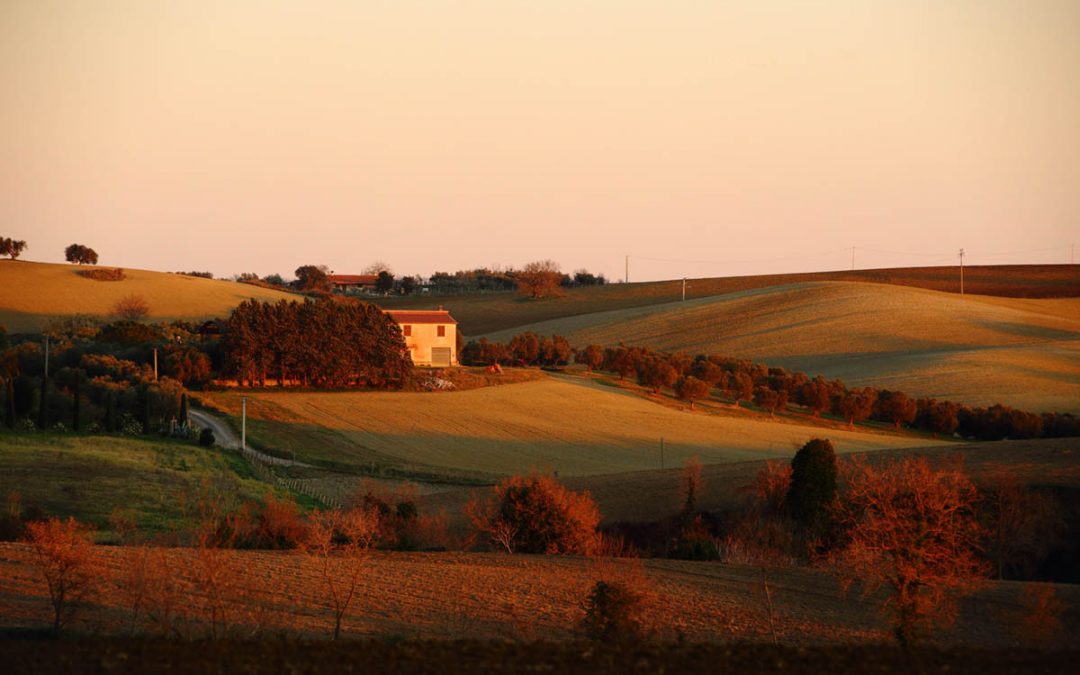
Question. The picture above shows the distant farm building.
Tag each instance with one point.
(430, 335)
(343, 282)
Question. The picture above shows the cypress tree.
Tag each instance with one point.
(183, 409)
(813, 485)
(110, 412)
(9, 409)
(43, 404)
(75, 402)
(146, 411)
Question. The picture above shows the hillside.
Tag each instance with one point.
(31, 293)
(974, 349)
(483, 313)
(574, 426)
(152, 479)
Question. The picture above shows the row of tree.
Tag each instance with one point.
(321, 343)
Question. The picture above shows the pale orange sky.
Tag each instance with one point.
(259, 136)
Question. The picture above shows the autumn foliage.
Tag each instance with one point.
(536, 514)
(912, 529)
(64, 554)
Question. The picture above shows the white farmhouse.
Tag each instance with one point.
(430, 335)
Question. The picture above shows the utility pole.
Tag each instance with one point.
(243, 424)
(46, 357)
(684, 289)
(627, 269)
(852, 258)
(1072, 254)
(961, 271)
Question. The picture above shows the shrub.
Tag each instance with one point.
(613, 612)
(63, 553)
(536, 514)
(131, 308)
(116, 274)
(206, 437)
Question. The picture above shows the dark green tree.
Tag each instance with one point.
(813, 486)
(183, 409)
(384, 283)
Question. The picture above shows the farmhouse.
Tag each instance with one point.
(342, 282)
(430, 335)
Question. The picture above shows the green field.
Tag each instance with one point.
(33, 293)
(158, 481)
(974, 349)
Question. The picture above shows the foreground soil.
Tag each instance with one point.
(444, 657)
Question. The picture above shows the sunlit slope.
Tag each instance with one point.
(976, 349)
(32, 293)
(570, 426)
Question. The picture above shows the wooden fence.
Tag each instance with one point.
(265, 471)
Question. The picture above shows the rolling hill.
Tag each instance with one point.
(974, 349)
(482, 313)
(571, 425)
(31, 293)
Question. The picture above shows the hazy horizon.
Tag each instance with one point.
(703, 139)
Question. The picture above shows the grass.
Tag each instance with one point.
(574, 425)
(974, 349)
(33, 293)
(156, 480)
(482, 313)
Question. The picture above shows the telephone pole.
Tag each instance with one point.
(627, 269)
(684, 289)
(852, 258)
(961, 271)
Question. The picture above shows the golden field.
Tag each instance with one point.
(569, 424)
(973, 349)
(32, 293)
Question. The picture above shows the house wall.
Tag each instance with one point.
(425, 336)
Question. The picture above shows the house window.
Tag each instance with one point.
(441, 331)
(406, 330)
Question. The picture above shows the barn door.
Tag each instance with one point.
(440, 356)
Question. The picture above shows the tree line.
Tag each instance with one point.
(775, 389)
(320, 343)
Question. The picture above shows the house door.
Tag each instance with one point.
(440, 357)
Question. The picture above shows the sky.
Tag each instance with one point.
(700, 138)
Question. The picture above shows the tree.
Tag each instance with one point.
(690, 389)
(856, 405)
(80, 255)
(64, 554)
(536, 514)
(131, 308)
(770, 399)
(692, 484)
(408, 284)
(741, 387)
(1021, 525)
(912, 529)
(592, 357)
(384, 283)
(378, 267)
(11, 247)
(812, 495)
(312, 278)
(613, 612)
(815, 395)
(540, 279)
(896, 407)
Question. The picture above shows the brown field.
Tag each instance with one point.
(496, 596)
(480, 314)
(979, 350)
(33, 293)
(572, 425)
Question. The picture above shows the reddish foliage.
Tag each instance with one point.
(64, 554)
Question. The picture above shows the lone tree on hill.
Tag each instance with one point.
(80, 255)
(540, 279)
(11, 247)
(912, 529)
(812, 495)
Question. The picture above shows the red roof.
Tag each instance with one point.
(421, 316)
(353, 279)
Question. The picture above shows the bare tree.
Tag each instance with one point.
(64, 554)
(338, 542)
(131, 307)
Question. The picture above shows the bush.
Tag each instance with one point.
(206, 437)
(116, 274)
(536, 514)
(613, 612)
(131, 308)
